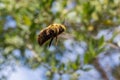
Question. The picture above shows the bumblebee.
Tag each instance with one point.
(50, 32)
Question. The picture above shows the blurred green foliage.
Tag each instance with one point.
(83, 19)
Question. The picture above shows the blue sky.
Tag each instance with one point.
(22, 73)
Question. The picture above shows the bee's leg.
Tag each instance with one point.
(51, 41)
(56, 40)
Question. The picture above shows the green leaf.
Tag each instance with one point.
(101, 42)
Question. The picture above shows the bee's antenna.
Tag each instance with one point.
(64, 22)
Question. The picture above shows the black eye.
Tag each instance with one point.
(61, 29)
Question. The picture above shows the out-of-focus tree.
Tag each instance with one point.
(22, 20)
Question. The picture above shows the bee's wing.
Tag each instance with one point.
(66, 36)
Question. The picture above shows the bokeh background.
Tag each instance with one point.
(88, 50)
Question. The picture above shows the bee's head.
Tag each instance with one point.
(63, 27)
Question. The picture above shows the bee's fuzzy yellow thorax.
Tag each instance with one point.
(57, 26)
